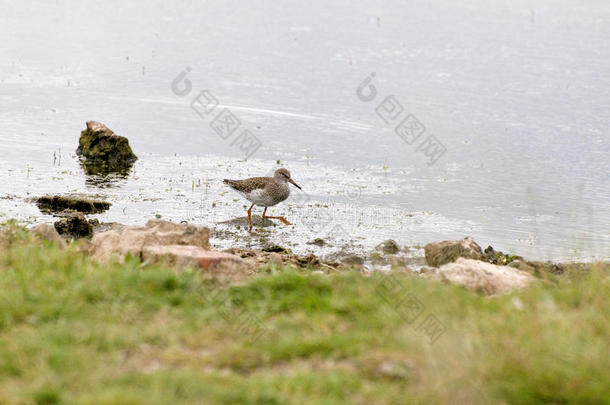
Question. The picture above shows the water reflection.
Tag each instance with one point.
(110, 180)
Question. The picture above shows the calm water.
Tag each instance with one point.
(518, 93)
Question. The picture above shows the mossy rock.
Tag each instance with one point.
(75, 226)
(104, 152)
(496, 257)
(50, 204)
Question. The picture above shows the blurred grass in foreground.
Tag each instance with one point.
(76, 332)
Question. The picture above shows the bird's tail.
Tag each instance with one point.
(230, 183)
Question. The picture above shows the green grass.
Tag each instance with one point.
(76, 332)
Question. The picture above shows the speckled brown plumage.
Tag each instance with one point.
(264, 191)
(248, 185)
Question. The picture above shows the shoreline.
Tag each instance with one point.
(461, 261)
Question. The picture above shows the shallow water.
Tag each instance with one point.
(516, 94)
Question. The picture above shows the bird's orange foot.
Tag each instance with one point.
(284, 220)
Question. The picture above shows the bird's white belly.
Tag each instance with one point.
(260, 198)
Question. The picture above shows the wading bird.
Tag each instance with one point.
(264, 191)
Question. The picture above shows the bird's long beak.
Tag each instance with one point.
(295, 184)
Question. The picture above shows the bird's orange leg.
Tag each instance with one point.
(250, 217)
(284, 220)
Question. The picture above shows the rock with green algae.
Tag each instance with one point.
(53, 204)
(104, 152)
(493, 256)
(74, 226)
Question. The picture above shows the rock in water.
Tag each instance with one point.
(52, 204)
(317, 242)
(49, 233)
(448, 251)
(103, 151)
(389, 246)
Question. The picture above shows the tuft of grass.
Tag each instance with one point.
(79, 332)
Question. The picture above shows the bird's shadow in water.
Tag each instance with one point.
(257, 220)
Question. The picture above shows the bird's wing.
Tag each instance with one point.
(247, 185)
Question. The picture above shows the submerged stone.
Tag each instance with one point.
(104, 152)
(53, 204)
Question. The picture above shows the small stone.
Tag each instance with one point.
(547, 267)
(378, 259)
(428, 270)
(390, 369)
(496, 257)
(317, 242)
(308, 261)
(49, 233)
(448, 251)
(275, 258)
(518, 264)
(352, 260)
(389, 246)
(397, 261)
